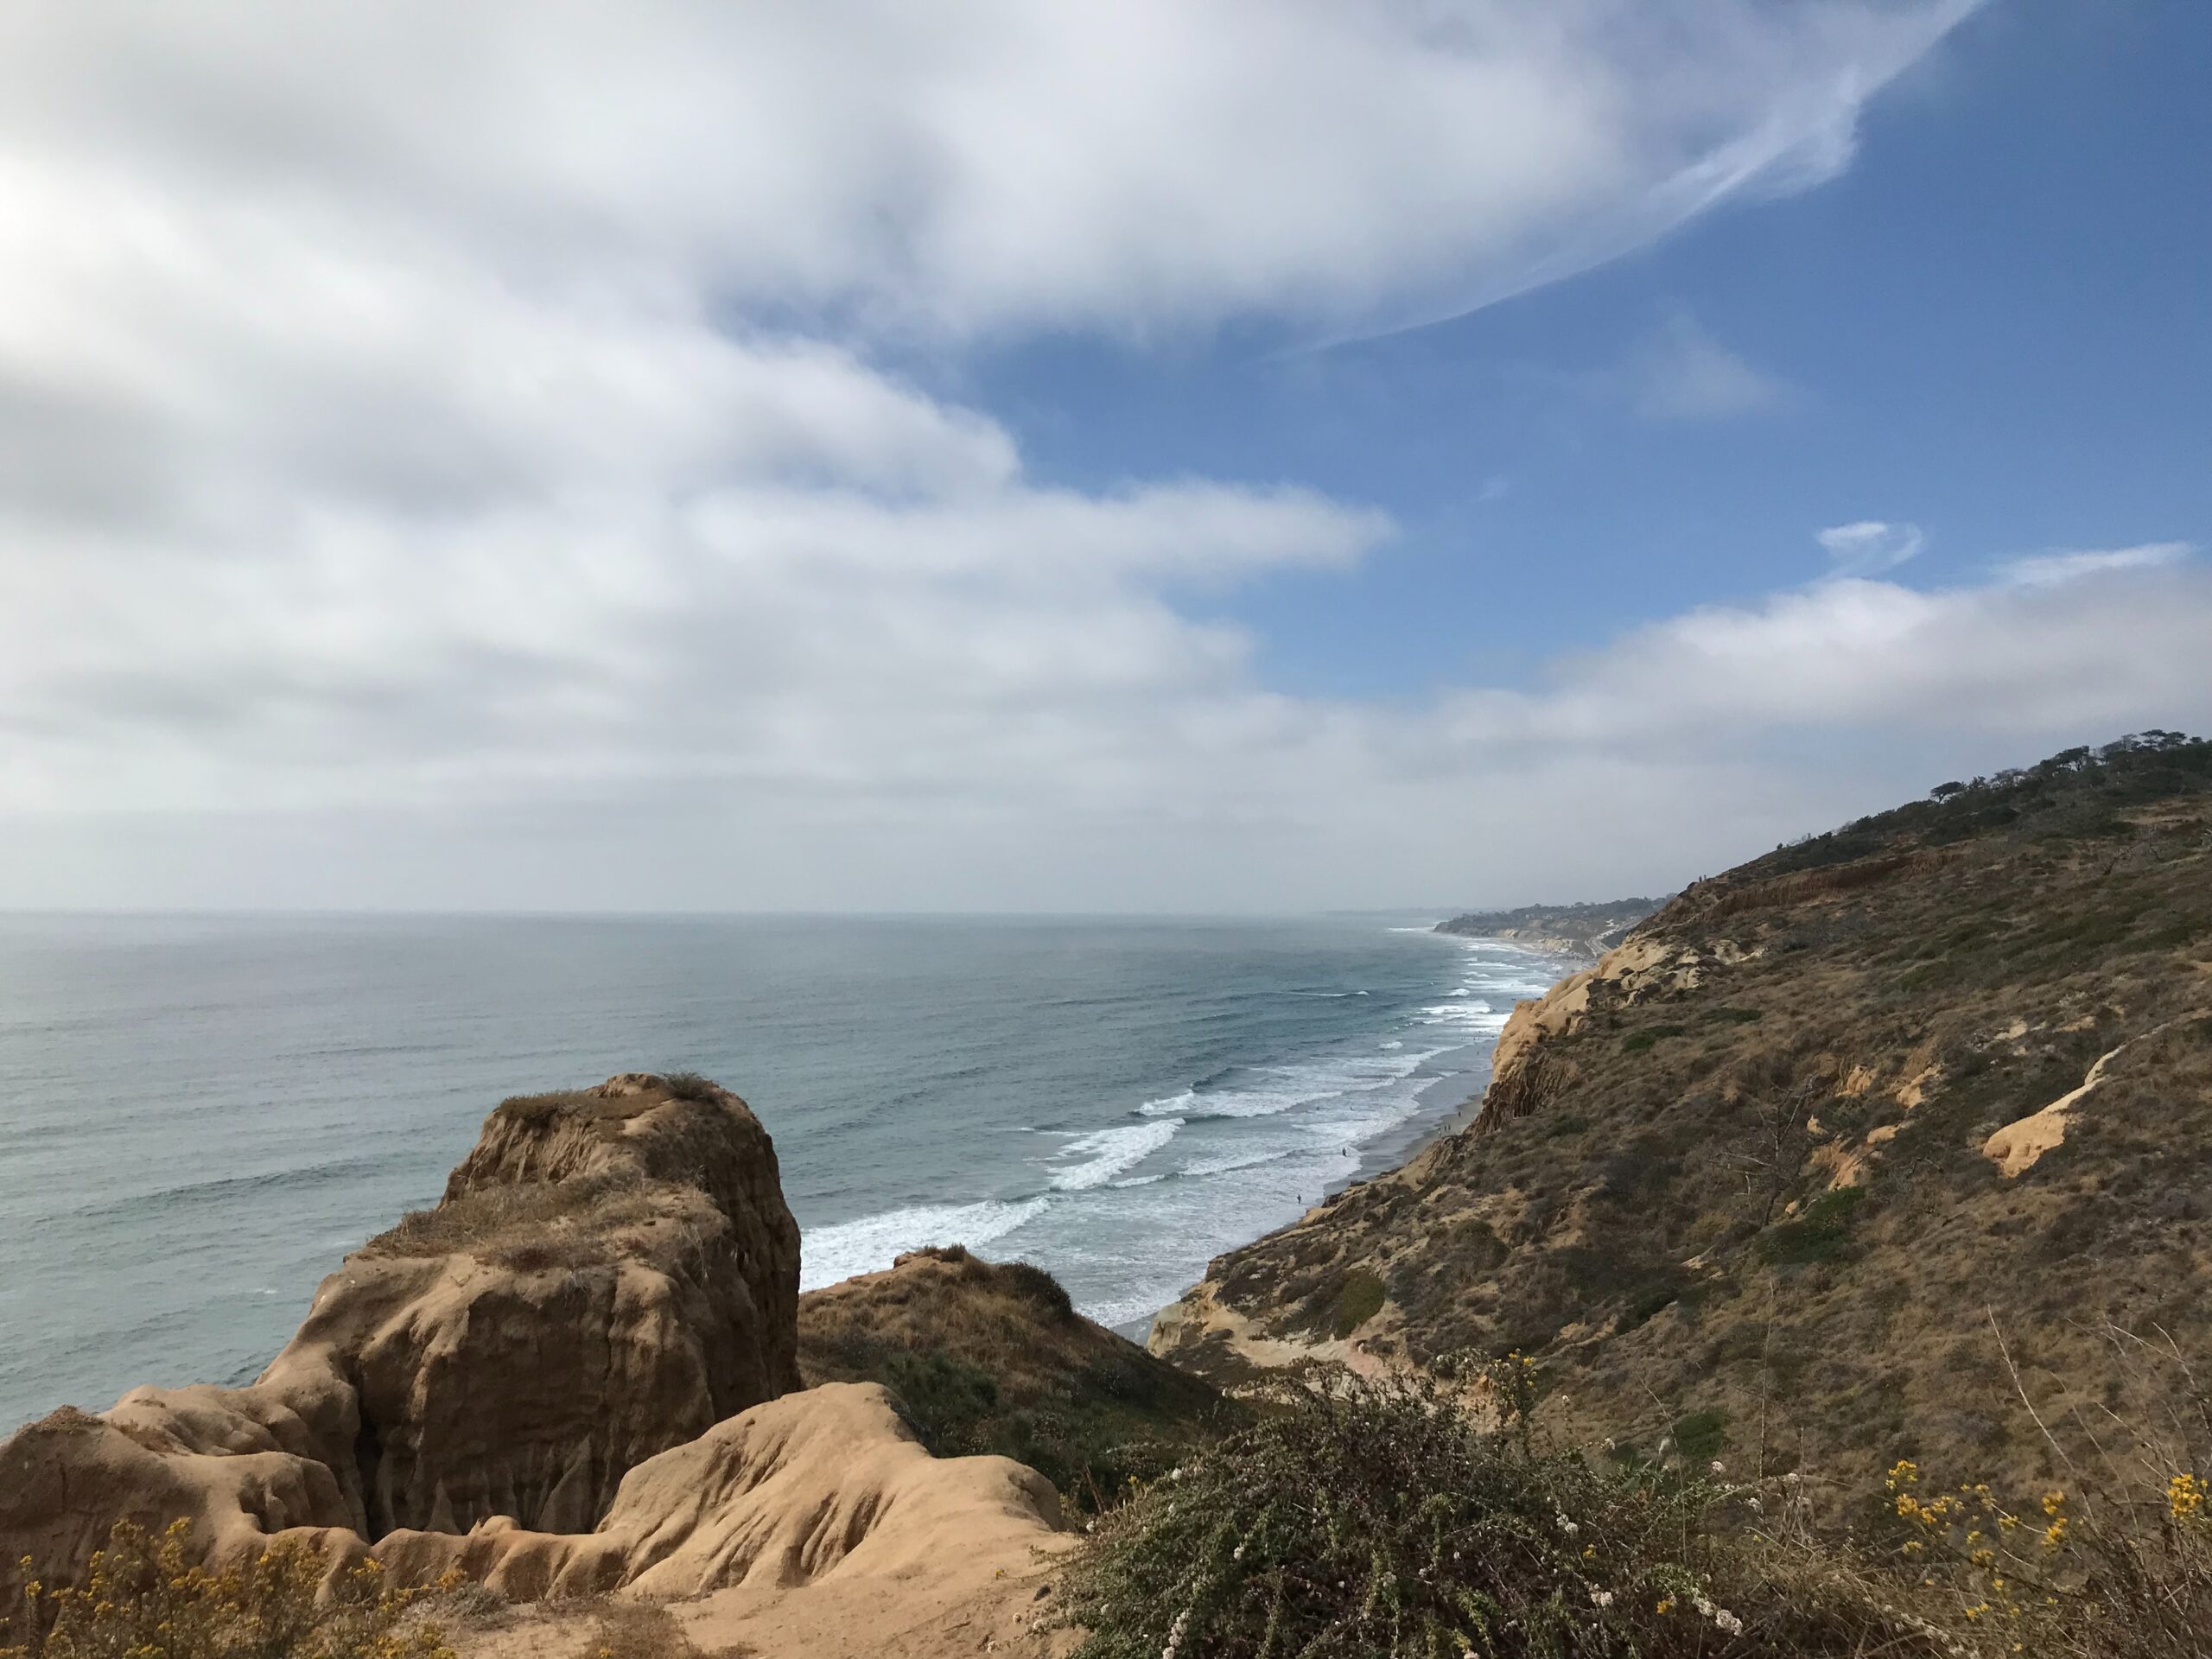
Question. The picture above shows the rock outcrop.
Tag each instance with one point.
(830, 1483)
(611, 1272)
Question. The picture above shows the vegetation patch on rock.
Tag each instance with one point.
(992, 1357)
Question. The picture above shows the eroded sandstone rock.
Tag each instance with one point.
(611, 1272)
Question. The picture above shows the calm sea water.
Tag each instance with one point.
(198, 1115)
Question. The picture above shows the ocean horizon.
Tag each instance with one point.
(201, 1113)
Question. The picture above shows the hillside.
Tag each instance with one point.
(1577, 930)
(1769, 1181)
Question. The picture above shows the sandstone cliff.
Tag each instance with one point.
(574, 1375)
(1769, 1180)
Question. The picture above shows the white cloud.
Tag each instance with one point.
(1684, 374)
(1870, 547)
(446, 454)
(937, 718)
(2120, 646)
(977, 164)
(2053, 570)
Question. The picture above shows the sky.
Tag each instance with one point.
(1186, 455)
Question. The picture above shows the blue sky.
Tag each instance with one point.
(1181, 455)
(1996, 325)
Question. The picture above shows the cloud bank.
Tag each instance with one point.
(448, 456)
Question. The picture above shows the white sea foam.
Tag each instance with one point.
(1112, 1152)
(1475, 1018)
(829, 1254)
(1258, 1142)
(1269, 1090)
(1235, 1160)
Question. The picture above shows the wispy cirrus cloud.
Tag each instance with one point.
(1870, 546)
(1683, 373)
(2053, 569)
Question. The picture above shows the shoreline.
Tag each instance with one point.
(1422, 1128)
(1425, 1128)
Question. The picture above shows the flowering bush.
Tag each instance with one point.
(2116, 1572)
(142, 1599)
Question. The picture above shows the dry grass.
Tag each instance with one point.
(143, 1599)
(584, 1106)
(529, 1226)
(638, 1629)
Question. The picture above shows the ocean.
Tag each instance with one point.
(200, 1114)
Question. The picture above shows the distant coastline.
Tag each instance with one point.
(1585, 930)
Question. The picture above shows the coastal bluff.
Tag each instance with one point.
(1859, 1150)
(577, 1375)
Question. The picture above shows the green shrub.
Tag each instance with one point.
(1817, 1234)
(1035, 1284)
(1364, 1519)
(946, 1399)
(1701, 1435)
(1359, 1300)
(1652, 1299)
(1637, 1041)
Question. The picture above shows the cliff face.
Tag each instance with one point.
(610, 1274)
(1777, 1174)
